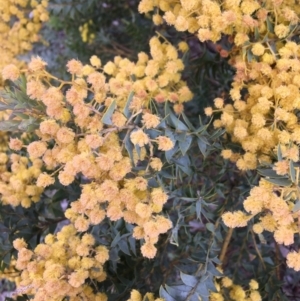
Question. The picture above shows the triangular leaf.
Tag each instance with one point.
(188, 279)
(173, 120)
(129, 147)
(292, 172)
(202, 290)
(126, 110)
(212, 269)
(269, 173)
(296, 206)
(116, 240)
(186, 120)
(106, 118)
(202, 146)
(169, 154)
(164, 294)
(185, 145)
(279, 153)
(11, 125)
(178, 292)
(210, 227)
(280, 181)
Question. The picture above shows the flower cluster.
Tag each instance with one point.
(275, 212)
(293, 260)
(11, 273)
(19, 26)
(267, 114)
(85, 31)
(263, 118)
(209, 20)
(265, 92)
(59, 267)
(18, 180)
(132, 201)
(20, 22)
(157, 77)
(273, 204)
(137, 296)
(79, 136)
(227, 290)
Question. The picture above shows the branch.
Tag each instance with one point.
(225, 245)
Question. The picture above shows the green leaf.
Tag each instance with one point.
(270, 25)
(292, 172)
(296, 206)
(10, 125)
(132, 244)
(173, 120)
(123, 246)
(21, 97)
(174, 236)
(202, 291)
(210, 227)
(59, 196)
(186, 120)
(202, 146)
(188, 279)
(279, 153)
(8, 96)
(25, 124)
(212, 269)
(4, 106)
(169, 154)
(179, 292)
(164, 294)
(129, 147)
(106, 118)
(152, 133)
(126, 110)
(269, 173)
(181, 136)
(23, 82)
(188, 199)
(280, 181)
(185, 145)
(116, 240)
(167, 175)
(138, 151)
(201, 129)
(184, 164)
(249, 55)
(198, 209)
(6, 259)
(217, 134)
(256, 33)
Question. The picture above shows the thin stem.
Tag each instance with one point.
(225, 245)
(257, 250)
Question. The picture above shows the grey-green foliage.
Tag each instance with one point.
(26, 113)
(193, 287)
(190, 206)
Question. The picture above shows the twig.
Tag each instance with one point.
(257, 250)
(277, 270)
(225, 245)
